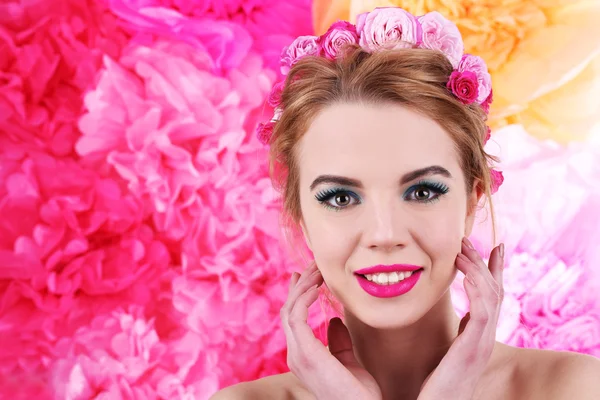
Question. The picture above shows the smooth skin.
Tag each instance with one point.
(412, 346)
(336, 374)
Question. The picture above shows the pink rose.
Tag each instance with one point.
(338, 35)
(443, 35)
(275, 95)
(264, 131)
(464, 86)
(476, 65)
(389, 28)
(488, 102)
(497, 179)
(488, 135)
(302, 46)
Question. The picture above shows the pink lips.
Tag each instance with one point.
(392, 290)
(387, 268)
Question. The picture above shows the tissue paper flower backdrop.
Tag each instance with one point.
(544, 56)
(140, 249)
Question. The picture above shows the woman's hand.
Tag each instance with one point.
(461, 368)
(329, 374)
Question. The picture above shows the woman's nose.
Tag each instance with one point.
(385, 226)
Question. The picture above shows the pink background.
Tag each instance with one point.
(140, 249)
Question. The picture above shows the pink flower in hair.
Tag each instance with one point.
(488, 135)
(488, 102)
(497, 179)
(302, 46)
(464, 86)
(389, 28)
(441, 34)
(338, 35)
(275, 96)
(264, 131)
(476, 65)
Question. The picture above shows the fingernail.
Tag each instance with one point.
(468, 243)
(470, 279)
(501, 250)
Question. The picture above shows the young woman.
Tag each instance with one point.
(378, 148)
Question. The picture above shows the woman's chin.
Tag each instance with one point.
(385, 318)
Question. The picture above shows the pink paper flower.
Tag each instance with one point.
(337, 36)
(225, 29)
(476, 65)
(114, 356)
(49, 54)
(388, 28)
(302, 46)
(464, 86)
(497, 179)
(441, 34)
(160, 116)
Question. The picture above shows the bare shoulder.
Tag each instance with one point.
(556, 375)
(574, 376)
(275, 387)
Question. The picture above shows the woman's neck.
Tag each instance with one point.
(400, 360)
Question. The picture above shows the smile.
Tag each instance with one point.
(383, 278)
(385, 285)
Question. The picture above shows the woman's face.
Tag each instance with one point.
(363, 204)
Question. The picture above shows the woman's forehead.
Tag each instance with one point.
(384, 139)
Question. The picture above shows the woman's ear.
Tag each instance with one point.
(472, 202)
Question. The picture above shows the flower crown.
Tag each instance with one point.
(389, 28)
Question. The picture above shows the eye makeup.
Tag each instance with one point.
(438, 188)
(339, 198)
(338, 195)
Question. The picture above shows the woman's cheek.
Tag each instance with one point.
(331, 242)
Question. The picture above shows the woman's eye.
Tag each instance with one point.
(422, 194)
(341, 199)
(427, 192)
(336, 199)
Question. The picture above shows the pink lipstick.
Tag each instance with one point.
(388, 290)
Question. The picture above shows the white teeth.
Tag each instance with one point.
(388, 278)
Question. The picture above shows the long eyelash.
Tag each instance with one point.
(439, 188)
(325, 195)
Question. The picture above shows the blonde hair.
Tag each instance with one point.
(414, 78)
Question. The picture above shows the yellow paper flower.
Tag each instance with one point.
(543, 55)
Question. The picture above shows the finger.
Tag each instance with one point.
(480, 268)
(299, 311)
(298, 331)
(497, 265)
(308, 279)
(489, 293)
(472, 254)
(304, 282)
(311, 269)
(340, 342)
(294, 280)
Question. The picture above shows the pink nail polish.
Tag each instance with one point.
(501, 250)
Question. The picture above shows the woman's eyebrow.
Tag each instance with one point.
(409, 176)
